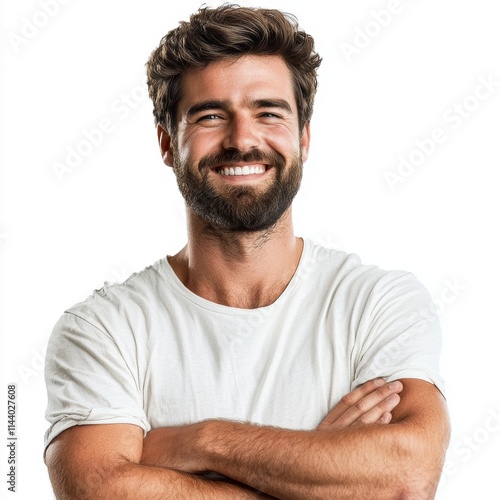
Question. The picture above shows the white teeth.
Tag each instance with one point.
(245, 170)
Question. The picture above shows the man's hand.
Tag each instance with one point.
(174, 447)
(370, 403)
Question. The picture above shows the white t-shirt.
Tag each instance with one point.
(150, 352)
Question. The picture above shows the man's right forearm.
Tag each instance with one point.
(103, 462)
(137, 482)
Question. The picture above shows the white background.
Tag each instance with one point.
(63, 234)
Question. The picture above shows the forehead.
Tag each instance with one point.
(239, 80)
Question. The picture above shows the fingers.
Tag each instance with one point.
(385, 418)
(353, 397)
(374, 415)
(372, 402)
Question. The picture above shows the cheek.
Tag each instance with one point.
(285, 144)
(198, 144)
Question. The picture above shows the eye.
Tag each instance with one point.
(270, 116)
(211, 117)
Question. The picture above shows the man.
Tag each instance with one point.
(251, 363)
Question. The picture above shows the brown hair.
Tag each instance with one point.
(213, 34)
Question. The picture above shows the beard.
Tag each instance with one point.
(239, 208)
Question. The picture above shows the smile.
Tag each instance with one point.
(244, 170)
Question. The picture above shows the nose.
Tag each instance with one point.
(242, 134)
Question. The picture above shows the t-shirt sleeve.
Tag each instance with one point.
(89, 379)
(399, 334)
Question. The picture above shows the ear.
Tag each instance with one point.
(165, 143)
(305, 140)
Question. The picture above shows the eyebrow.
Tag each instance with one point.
(273, 103)
(200, 107)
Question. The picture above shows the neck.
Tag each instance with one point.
(245, 270)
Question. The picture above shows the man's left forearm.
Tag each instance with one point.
(360, 461)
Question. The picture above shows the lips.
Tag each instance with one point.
(242, 170)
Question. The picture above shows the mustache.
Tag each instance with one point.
(232, 156)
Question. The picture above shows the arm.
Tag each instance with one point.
(352, 454)
(102, 462)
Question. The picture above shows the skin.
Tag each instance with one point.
(381, 441)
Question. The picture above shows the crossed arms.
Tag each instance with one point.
(381, 441)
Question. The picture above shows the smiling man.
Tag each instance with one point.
(253, 362)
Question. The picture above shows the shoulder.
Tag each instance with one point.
(137, 285)
(347, 271)
(116, 305)
(356, 288)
